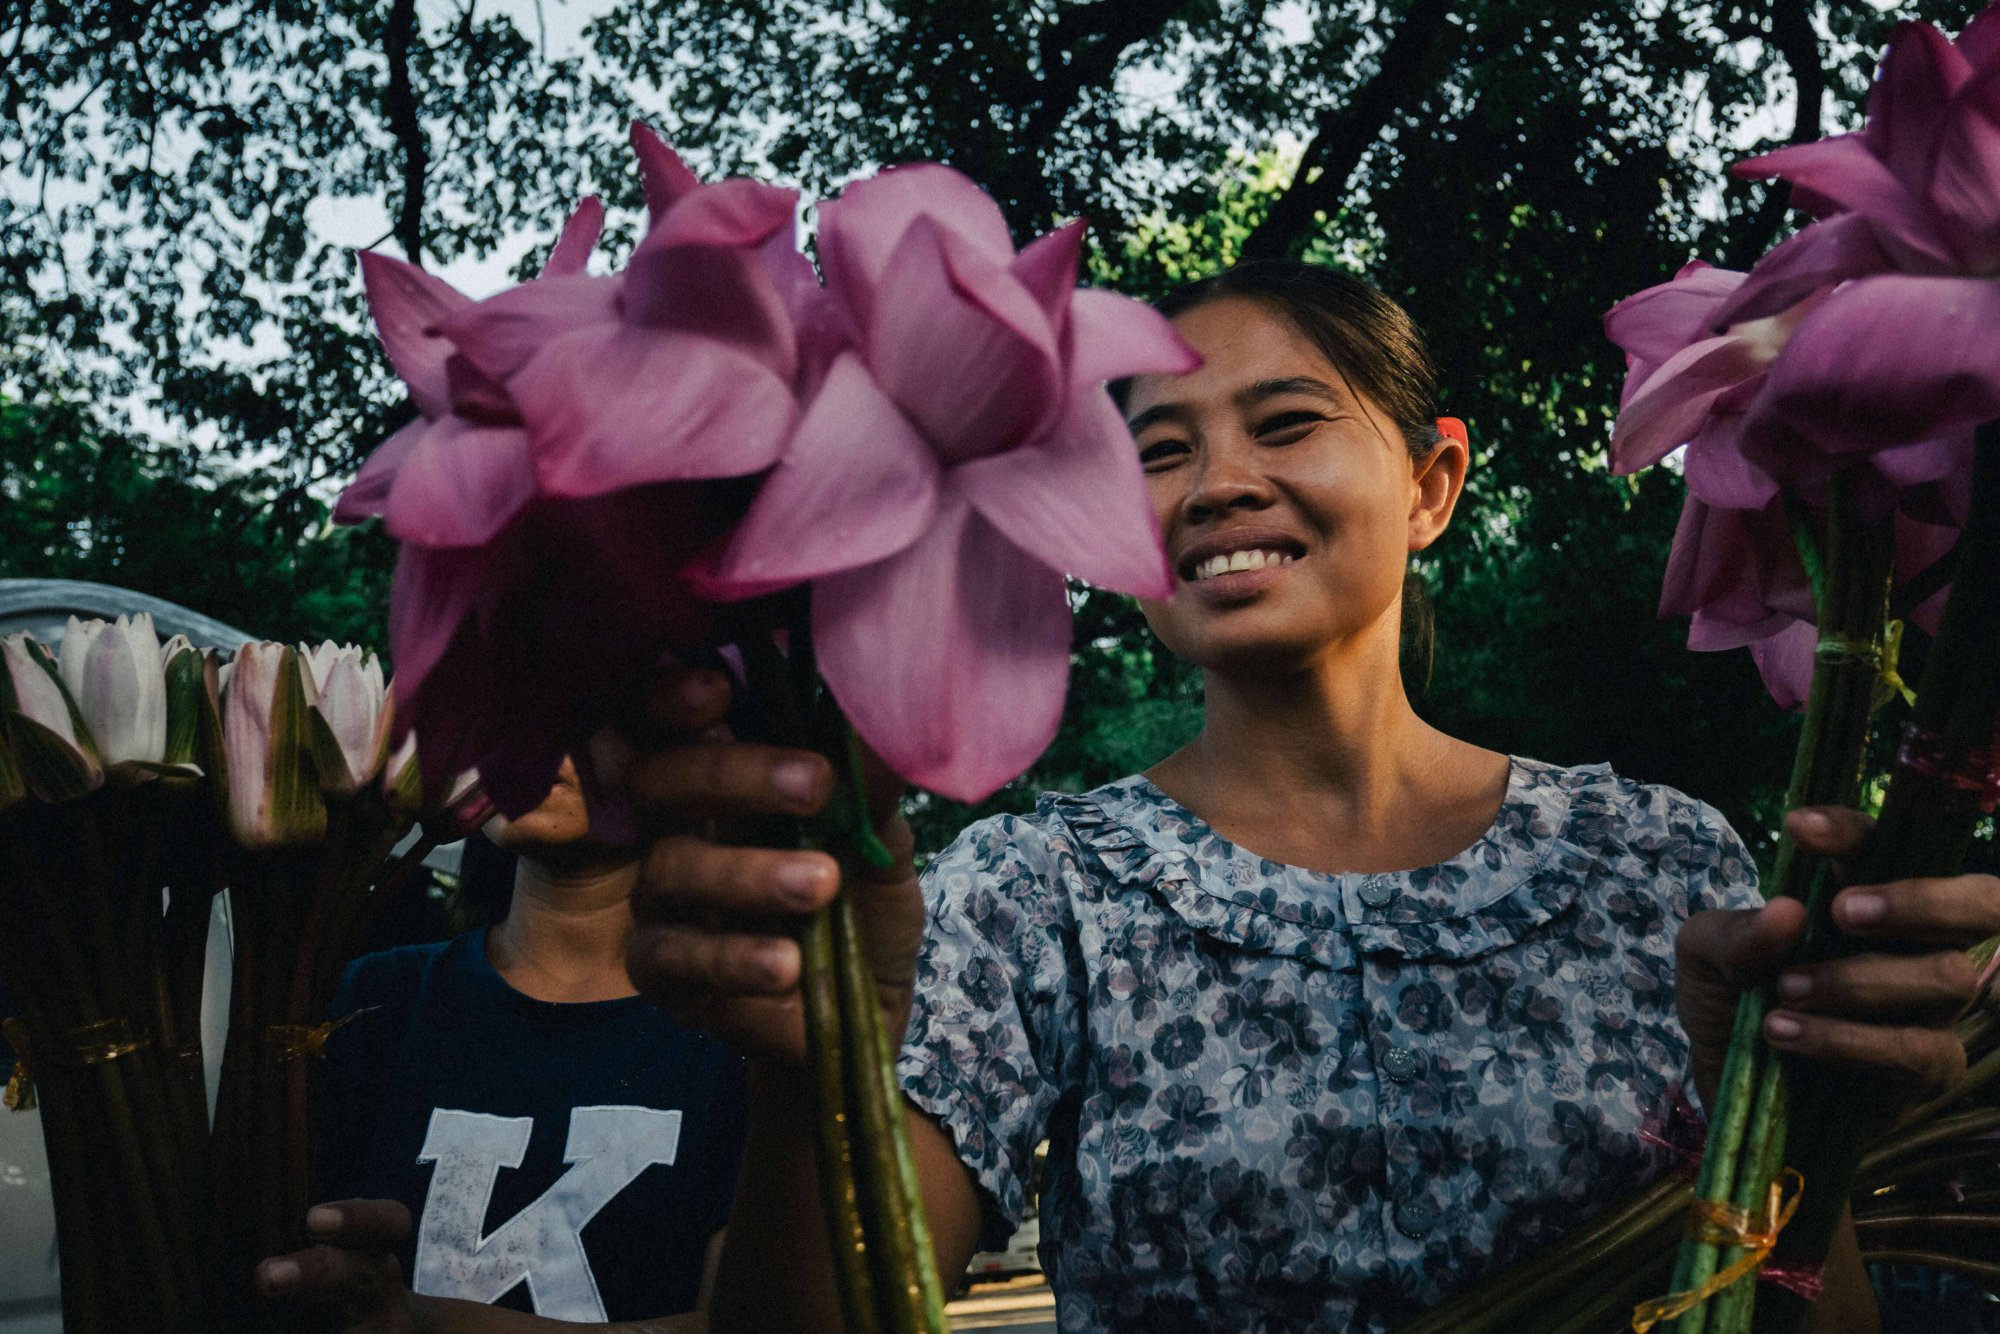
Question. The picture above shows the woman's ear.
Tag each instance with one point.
(1440, 479)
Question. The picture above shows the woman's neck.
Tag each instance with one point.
(565, 933)
(1330, 768)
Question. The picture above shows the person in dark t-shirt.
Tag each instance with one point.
(506, 1126)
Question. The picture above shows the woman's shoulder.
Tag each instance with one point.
(395, 975)
(1624, 821)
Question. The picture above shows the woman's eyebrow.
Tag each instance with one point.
(1158, 412)
(1291, 384)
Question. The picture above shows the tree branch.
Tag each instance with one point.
(399, 105)
(1083, 48)
(1793, 36)
(1346, 131)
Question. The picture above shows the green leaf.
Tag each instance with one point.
(185, 686)
(298, 812)
(51, 767)
(13, 789)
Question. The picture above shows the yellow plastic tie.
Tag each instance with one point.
(20, 1093)
(294, 1041)
(1717, 1224)
(1890, 683)
(104, 1041)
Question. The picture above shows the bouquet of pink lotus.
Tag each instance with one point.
(867, 491)
(139, 781)
(1838, 409)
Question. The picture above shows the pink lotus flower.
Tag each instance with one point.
(680, 368)
(1898, 359)
(514, 606)
(958, 458)
(1734, 567)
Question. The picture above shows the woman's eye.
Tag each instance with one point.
(1161, 452)
(1292, 424)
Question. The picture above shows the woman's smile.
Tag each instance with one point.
(1236, 565)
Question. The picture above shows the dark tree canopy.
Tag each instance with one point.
(180, 334)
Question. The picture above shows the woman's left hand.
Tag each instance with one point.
(1889, 1013)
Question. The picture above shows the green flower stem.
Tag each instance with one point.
(891, 1242)
(1851, 565)
(839, 1201)
(1922, 831)
(104, 1087)
(1763, 1156)
(879, 1063)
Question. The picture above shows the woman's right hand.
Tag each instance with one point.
(715, 942)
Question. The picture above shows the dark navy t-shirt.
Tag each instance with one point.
(571, 1160)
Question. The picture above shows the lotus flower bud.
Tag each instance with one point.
(350, 708)
(466, 807)
(50, 741)
(112, 670)
(273, 801)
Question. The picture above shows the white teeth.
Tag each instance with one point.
(1233, 561)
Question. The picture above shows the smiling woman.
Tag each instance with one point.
(1325, 1015)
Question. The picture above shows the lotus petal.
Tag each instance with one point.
(1047, 267)
(367, 496)
(1965, 184)
(1803, 265)
(1785, 661)
(503, 333)
(1907, 106)
(406, 304)
(701, 270)
(950, 657)
(578, 239)
(461, 485)
(1842, 175)
(1655, 324)
(620, 406)
(964, 349)
(665, 179)
(113, 673)
(1890, 359)
(434, 592)
(860, 231)
(856, 485)
(1113, 336)
(1076, 499)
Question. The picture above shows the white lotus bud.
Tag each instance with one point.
(113, 671)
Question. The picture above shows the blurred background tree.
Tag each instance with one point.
(188, 375)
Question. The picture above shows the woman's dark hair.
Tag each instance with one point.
(1378, 351)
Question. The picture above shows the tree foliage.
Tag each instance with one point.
(1506, 170)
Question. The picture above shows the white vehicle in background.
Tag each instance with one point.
(1019, 1256)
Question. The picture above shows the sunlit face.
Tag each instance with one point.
(1289, 504)
(559, 828)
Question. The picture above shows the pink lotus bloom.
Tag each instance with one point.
(958, 458)
(679, 368)
(1734, 567)
(512, 608)
(1898, 360)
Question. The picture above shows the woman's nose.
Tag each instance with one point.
(1226, 479)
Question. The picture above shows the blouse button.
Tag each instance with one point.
(1415, 1219)
(1377, 892)
(1399, 1063)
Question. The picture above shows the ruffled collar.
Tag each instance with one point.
(1520, 873)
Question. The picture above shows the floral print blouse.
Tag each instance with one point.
(1278, 1099)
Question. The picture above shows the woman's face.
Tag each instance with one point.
(1288, 503)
